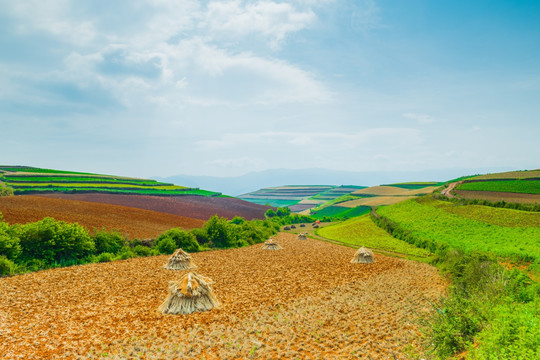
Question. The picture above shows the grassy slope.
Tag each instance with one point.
(513, 186)
(26, 180)
(361, 231)
(427, 218)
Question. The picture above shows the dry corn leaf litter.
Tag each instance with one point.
(305, 301)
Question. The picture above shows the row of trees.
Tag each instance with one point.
(50, 243)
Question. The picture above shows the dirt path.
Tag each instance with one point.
(448, 191)
(305, 301)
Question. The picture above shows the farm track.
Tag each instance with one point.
(198, 207)
(499, 196)
(132, 222)
(305, 301)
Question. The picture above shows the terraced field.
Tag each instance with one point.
(361, 231)
(27, 180)
(132, 222)
(479, 230)
(512, 186)
(394, 191)
(272, 307)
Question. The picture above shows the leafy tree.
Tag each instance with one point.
(270, 213)
(182, 239)
(5, 190)
(55, 241)
(219, 234)
(200, 235)
(166, 245)
(108, 242)
(9, 241)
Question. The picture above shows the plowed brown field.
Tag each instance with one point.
(305, 301)
(198, 207)
(135, 223)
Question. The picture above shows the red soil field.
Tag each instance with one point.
(306, 301)
(198, 207)
(499, 196)
(132, 222)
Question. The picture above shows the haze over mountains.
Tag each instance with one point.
(252, 181)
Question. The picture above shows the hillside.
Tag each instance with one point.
(30, 180)
(132, 222)
(514, 187)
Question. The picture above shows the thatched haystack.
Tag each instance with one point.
(293, 227)
(287, 228)
(271, 244)
(363, 256)
(302, 225)
(190, 294)
(180, 260)
(315, 226)
(302, 236)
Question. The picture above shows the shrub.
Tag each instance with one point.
(55, 241)
(184, 240)
(108, 242)
(7, 267)
(9, 241)
(105, 257)
(165, 245)
(125, 253)
(200, 235)
(143, 250)
(219, 234)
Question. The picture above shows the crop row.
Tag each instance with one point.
(427, 220)
(79, 179)
(31, 186)
(178, 192)
(514, 186)
(339, 211)
(361, 231)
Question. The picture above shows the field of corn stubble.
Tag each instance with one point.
(305, 301)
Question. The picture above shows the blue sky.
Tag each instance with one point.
(158, 88)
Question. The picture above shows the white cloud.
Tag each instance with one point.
(273, 20)
(420, 118)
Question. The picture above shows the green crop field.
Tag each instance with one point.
(524, 174)
(491, 215)
(427, 219)
(338, 211)
(415, 185)
(27, 180)
(513, 186)
(361, 231)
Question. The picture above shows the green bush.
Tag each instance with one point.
(125, 253)
(7, 267)
(200, 235)
(184, 240)
(105, 257)
(108, 242)
(55, 242)
(219, 233)
(143, 251)
(165, 245)
(9, 241)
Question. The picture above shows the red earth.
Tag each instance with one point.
(198, 207)
(132, 222)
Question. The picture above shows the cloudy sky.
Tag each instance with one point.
(161, 87)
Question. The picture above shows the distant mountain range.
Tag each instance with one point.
(243, 184)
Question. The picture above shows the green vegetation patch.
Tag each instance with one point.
(341, 212)
(361, 231)
(519, 174)
(490, 215)
(513, 186)
(271, 202)
(415, 185)
(427, 220)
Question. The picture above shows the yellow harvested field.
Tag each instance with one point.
(392, 191)
(510, 175)
(312, 202)
(375, 201)
(306, 301)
